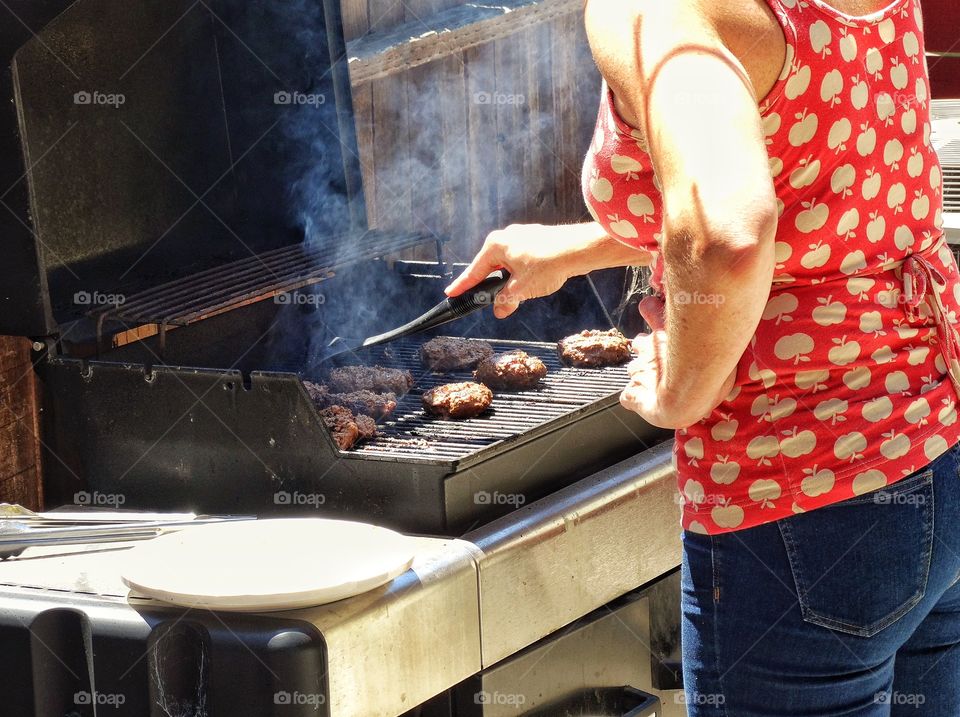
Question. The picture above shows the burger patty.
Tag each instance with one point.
(366, 403)
(593, 349)
(511, 371)
(452, 354)
(458, 400)
(346, 428)
(348, 379)
(318, 393)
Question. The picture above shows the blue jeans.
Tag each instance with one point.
(852, 609)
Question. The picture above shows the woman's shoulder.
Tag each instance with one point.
(628, 37)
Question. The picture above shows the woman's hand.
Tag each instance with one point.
(541, 258)
(645, 393)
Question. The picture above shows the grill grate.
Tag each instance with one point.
(411, 433)
(255, 278)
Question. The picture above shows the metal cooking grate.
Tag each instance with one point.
(411, 433)
(247, 281)
(255, 278)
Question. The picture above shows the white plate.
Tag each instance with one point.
(275, 564)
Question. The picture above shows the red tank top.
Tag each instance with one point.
(851, 380)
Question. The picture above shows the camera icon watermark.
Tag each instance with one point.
(284, 497)
(101, 99)
(484, 497)
(298, 99)
(499, 99)
(298, 298)
(96, 498)
(314, 700)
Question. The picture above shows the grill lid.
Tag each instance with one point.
(161, 140)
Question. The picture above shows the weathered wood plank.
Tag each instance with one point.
(454, 161)
(426, 150)
(390, 145)
(481, 145)
(447, 32)
(537, 170)
(356, 22)
(586, 86)
(20, 480)
(509, 102)
(564, 109)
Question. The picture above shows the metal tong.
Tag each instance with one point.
(450, 309)
(30, 530)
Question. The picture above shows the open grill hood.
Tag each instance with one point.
(163, 140)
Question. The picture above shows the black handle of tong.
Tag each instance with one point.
(482, 295)
(450, 309)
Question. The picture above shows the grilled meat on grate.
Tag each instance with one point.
(348, 379)
(346, 428)
(366, 403)
(367, 426)
(593, 349)
(458, 400)
(511, 371)
(318, 393)
(453, 354)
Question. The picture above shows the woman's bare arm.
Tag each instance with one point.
(668, 66)
(542, 258)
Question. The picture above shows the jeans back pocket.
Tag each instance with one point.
(862, 564)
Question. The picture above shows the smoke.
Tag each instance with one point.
(461, 146)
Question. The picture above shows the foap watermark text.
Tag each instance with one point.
(513, 699)
(300, 298)
(297, 498)
(314, 700)
(100, 699)
(98, 298)
(298, 99)
(97, 498)
(499, 98)
(99, 99)
(497, 498)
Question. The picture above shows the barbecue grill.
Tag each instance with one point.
(178, 259)
(199, 346)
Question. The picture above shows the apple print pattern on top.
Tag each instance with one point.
(851, 380)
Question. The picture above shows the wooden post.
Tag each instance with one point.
(20, 478)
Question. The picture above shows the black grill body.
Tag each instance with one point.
(237, 433)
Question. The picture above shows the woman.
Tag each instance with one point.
(802, 342)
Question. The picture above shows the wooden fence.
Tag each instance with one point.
(471, 116)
